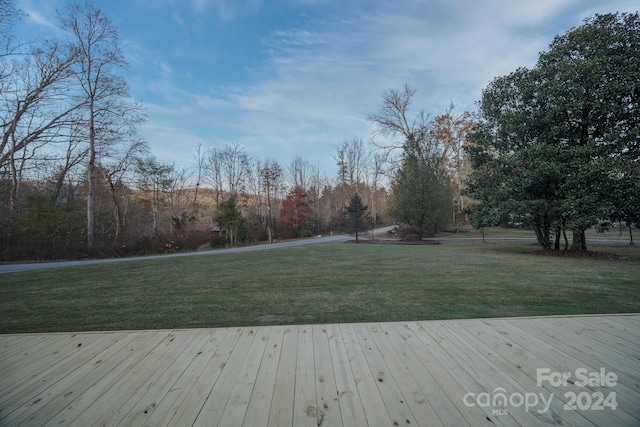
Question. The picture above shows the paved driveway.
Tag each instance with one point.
(10, 268)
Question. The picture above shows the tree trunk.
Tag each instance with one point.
(564, 233)
(13, 191)
(116, 207)
(269, 220)
(91, 182)
(90, 202)
(579, 243)
(542, 236)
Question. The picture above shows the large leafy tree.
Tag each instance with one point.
(296, 212)
(555, 142)
(421, 197)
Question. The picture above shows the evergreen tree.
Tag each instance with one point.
(230, 218)
(358, 218)
(421, 195)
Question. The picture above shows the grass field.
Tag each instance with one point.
(321, 283)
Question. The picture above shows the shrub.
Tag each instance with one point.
(304, 233)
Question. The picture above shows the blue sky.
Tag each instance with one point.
(289, 78)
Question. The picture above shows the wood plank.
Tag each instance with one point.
(116, 402)
(37, 344)
(25, 372)
(47, 395)
(518, 364)
(482, 369)
(440, 387)
(625, 327)
(597, 348)
(73, 386)
(260, 403)
(395, 401)
(305, 412)
(422, 392)
(100, 384)
(560, 357)
(13, 344)
(30, 362)
(327, 403)
(240, 395)
(281, 413)
(351, 407)
(619, 340)
(452, 379)
(579, 355)
(160, 382)
(372, 401)
(185, 412)
(327, 375)
(219, 395)
(174, 398)
(404, 379)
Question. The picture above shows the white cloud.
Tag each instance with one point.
(39, 13)
(321, 78)
(227, 10)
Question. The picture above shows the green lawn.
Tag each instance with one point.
(321, 283)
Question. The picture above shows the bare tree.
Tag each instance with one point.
(235, 162)
(9, 13)
(358, 158)
(178, 197)
(352, 159)
(201, 160)
(114, 169)
(227, 170)
(256, 196)
(213, 172)
(299, 171)
(451, 130)
(376, 173)
(105, 93)
(155, 179)
(75, 153)
(34, 109)
(317, 183)
(340, 157)
(272, 182)
(392, 119)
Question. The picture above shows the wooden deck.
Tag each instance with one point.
(453, 373)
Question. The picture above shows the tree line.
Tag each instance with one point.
(554, 148)
(76, 179)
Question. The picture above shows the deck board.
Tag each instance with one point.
(417, 373)
(326, 397)
(281, 411)
(348, 398)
